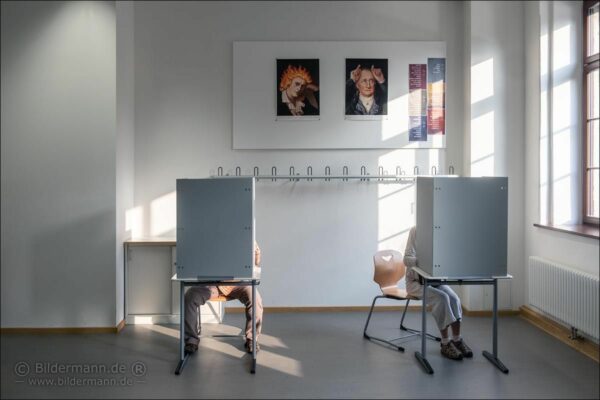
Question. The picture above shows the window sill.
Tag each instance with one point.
(589, 231)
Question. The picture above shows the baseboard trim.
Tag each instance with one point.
(65, 330)
(236, 310)
(488, 313)
(466, 312)
(560, 332)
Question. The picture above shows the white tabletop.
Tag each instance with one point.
(221, 280)
(456, 278)
(151, 241)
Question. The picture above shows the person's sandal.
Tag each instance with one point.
(450, 351)
(190, 348)
(249, 346)
(463, 348)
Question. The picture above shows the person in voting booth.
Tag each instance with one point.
(446, 307)
(199, 295)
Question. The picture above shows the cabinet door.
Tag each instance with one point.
(149, 280)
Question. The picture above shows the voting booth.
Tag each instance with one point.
(215, 228)
(462, 226)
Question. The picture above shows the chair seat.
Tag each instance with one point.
(399, 293)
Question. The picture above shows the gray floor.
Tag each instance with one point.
(303, 355)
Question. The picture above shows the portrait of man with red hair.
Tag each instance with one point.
(297, 87)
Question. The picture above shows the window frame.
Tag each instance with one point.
(590, 64)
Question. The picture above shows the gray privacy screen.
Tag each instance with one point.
(462, 226)
(215, 228)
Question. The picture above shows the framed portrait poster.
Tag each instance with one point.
(297, 95)
(366, 88)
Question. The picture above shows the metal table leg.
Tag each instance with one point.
(182, 356)
(493, 358)
(421, 355)
(254, 338)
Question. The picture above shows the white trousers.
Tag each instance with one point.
(445, 303)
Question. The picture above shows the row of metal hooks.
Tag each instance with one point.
(364, 174)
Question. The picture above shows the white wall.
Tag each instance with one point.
(579, 252)
(125, 140)
(68, 157)
(58, 164)
(317, 238)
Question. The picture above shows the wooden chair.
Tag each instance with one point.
(389, 270)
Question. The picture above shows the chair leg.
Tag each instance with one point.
(367, 336)
(369, 317)
(404, 314)
(402, 327)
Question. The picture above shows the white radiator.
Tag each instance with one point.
(569, 295)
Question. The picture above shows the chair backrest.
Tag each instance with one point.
(389, 268)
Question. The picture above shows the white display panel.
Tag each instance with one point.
(255, 125)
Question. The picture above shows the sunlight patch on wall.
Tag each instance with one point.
(395, 215)
(561, 107)
(402, 158)
(561, 55)
(561, 211)
(561, 154)
(395, 205)
(163, 214)
(482, 145)
(134, 222)
(543, 152)
(392, 127)
(562, 200)
(482, 81)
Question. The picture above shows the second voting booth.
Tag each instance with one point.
(462, 226)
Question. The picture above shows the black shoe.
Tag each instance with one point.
(190, 348)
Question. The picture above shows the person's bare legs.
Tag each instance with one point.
(444, 333)
(455, 328)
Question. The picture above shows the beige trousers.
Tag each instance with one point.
(199, 295)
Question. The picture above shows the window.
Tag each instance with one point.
(591, 140)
